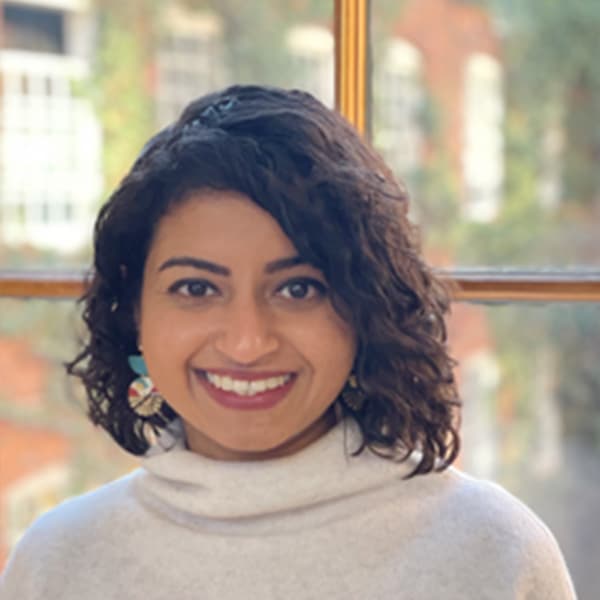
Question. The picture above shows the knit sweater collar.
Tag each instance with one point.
(188, 486)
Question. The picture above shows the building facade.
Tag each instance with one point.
(50, 142)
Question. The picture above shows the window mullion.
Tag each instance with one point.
(492, 286)
(351, 60)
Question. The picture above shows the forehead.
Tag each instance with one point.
(224, 225)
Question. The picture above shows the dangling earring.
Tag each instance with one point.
(143, 397)
(353, 397)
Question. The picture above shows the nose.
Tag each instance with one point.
(246, 334)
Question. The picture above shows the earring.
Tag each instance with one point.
(352, 395)
(142, 396)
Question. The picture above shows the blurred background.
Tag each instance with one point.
(487, 109)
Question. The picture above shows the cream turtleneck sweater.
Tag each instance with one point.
(318, 524)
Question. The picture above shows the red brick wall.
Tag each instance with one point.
(447, 32)
(25, 450)
(23, 375)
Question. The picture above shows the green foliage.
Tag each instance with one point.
(517, 236)
(122, 87)
(551, 62)
(384, 18)
(254, 35)
(576, 333)
(437, 206)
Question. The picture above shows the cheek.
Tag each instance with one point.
(167, 347)
(328, 342)
(166, 335)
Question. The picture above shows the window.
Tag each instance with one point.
(190, 60)
(48, 129)
(311, 51)
(487, 103)
(483, 163)
(400, 109)
(33, 28)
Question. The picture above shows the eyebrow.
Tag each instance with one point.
(198, 263)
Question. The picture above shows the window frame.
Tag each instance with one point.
(351, 36)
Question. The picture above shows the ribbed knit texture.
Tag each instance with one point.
(319, 524)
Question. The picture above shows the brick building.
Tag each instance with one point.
(446, 53)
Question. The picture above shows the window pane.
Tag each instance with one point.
(531, 417)
(486, 109)
(35, 29)
(80, 92)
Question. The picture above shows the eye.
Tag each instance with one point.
(194, 288)
(302, 289)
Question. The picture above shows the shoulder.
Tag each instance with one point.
(488, 519)
(482, 509)
(488, 502)
(491, 512)
(78, 526)
(80, 515)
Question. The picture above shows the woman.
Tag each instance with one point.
(263, 332)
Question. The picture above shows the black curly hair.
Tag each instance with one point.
(344, 212)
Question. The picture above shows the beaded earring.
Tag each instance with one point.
(143, 397)
(353, 397)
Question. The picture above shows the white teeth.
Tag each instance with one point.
(226, 383)
(246, 388)
(257, 386)
(240, 387)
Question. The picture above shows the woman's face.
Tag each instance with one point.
(239, 335)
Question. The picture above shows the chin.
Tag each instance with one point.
(252, 445)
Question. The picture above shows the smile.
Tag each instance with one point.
(245, 387)
(246, 394)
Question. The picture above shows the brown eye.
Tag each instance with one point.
(302, 289)
(194, 288)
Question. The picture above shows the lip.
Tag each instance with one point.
(260, 401)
